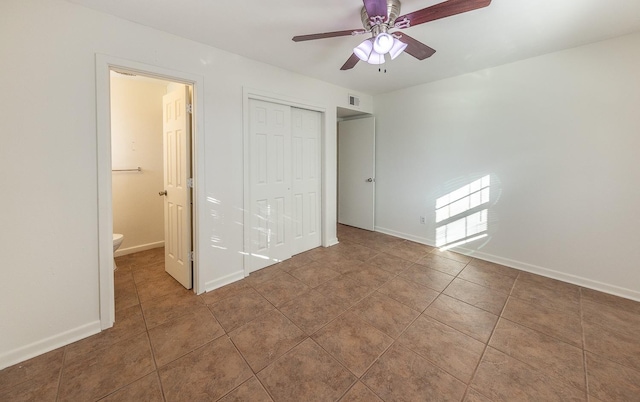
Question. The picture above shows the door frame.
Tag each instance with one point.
(256, 94)
(104, 64)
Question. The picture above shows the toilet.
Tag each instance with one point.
(117, 241)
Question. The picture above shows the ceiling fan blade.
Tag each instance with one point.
(415, 48)
(442, 10)
(376, 8)
(324, 35)
(351, 62)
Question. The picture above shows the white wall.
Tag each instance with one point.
(136, 140)
(559, 135)
(49, 286)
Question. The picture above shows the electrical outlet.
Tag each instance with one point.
(423, 220)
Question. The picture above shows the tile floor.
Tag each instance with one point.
(374, 318)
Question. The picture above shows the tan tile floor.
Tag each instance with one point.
(374, 318)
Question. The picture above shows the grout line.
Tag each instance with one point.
(475, 371)
(584, 344)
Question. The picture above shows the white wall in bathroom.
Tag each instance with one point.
(49, 215)
(136, 140)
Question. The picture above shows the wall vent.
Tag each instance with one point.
(354, 100)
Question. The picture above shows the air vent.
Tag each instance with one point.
(354, 100)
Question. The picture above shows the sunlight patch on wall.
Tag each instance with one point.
(458, 215)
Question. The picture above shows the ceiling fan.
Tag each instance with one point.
(379, 17)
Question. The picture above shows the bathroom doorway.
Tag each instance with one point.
(191, 162)
(151, 153)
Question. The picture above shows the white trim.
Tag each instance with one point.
(104, 63)
(523, 266)
(251, 93)
(48, 344)
(136, 249)
(225, 280)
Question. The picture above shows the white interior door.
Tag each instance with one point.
(177, 194)
(356, 172)
(270, 183)
(306, 175)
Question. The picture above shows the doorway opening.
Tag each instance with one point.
(150, 137)
(138, 170)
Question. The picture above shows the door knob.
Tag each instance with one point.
(161, 193)
(369, 180)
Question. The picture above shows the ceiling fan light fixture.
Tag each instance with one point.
(383, 43)
(363, 50)
(397, 48)
(376, 58)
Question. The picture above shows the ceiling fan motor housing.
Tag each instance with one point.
(393, 11)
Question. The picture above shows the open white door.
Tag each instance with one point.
(177, 194)
(356, 172)
(270, 183)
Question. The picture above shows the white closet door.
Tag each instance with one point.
(306, 176)
(270, 183)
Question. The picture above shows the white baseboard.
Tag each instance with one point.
(406, 236)
(218, 283)
(48, 344)
(332, 242)
(136, 249)
(523, 266)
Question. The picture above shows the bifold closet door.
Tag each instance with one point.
(306, 179)
(285, 182)
(270, 183)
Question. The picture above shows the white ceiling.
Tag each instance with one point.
(506, 31)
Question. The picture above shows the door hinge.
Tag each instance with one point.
(190, 182)
(190, 255)
(189, 107)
